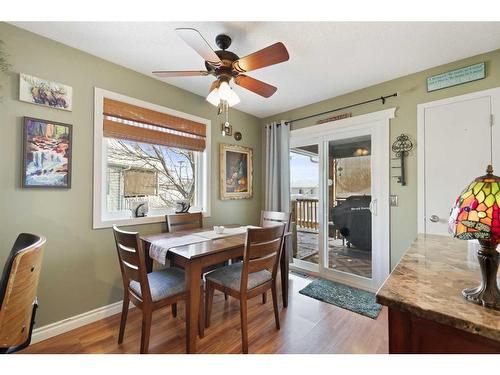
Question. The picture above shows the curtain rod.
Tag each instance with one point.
(382, 98)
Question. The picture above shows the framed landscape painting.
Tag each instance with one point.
(42, 92)
(236, 170)
(46, 154)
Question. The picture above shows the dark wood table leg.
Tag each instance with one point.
(284, 268)
(149, 260)
(193, 278)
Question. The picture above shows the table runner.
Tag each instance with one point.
(227, 232)
(159, 248)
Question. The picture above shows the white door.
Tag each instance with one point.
(340, 194)
(455, 137)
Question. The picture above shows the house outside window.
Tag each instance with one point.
(147, 157)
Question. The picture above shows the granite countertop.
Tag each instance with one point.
(428, 282)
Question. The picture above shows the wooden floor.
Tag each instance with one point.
(307, 326)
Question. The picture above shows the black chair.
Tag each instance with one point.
(18, 289)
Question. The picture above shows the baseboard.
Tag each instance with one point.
(57, 328)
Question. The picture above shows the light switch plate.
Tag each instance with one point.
(393, 200)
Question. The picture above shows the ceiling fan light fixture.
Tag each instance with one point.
(214, 98)
(233, 99)
(224, 91)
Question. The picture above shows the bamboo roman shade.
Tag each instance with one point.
(134, 123)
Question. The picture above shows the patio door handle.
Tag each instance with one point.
(434, 218)
(373, 207)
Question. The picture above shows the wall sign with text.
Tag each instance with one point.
(456, 77)
(335, 118)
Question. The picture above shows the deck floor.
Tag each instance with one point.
(340, 256)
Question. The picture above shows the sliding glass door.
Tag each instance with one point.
(304, 194)
(340, 203)
(349, 234)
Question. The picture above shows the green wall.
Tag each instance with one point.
(413, 90)
(80, 270)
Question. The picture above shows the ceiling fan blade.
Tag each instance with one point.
(263, 89)
(274, 54)
(196, 41)
(180, 73)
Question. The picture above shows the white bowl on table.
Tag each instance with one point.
(218, 229)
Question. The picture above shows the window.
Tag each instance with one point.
(147, 158)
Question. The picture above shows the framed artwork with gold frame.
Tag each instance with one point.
(236, 171)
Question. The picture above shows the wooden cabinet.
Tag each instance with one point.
(409, 334)
(427, 313)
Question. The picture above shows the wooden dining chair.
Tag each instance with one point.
(250, 278)
(18, 290)
(270, 218)
(147, 291)
(186, 221)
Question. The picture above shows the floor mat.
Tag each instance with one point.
(357, 300)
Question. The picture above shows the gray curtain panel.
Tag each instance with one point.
(277, 178)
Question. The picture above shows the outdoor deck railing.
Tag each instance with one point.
(305, 213)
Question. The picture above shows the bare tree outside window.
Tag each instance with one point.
(174, 167)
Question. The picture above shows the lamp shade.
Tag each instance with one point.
(233, 99)
(213, 98)
(224, 90)
(476, 214)
(221, 91)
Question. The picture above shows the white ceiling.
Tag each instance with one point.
(327, 59)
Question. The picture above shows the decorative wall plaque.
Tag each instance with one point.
(456, 77)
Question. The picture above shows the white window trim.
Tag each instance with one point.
(99, 198)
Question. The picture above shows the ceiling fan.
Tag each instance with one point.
(227, 66)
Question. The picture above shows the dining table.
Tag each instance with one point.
(195, 250)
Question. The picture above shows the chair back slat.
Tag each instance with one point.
(129, 254)
(132, 260)
(270, 218)
(131, 271)
(185, 221)
(263, 263)
(19, 289)
(262, 251)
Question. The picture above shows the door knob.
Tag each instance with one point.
(434, 218)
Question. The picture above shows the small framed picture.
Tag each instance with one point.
(43, 92)
(236, 170)
(46, 157)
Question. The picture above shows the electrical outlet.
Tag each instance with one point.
(393, 200)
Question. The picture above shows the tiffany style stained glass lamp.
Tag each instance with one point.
(476, 216)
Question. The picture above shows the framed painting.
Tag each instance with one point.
(42, 92)
(46, 157)
(236, 170)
